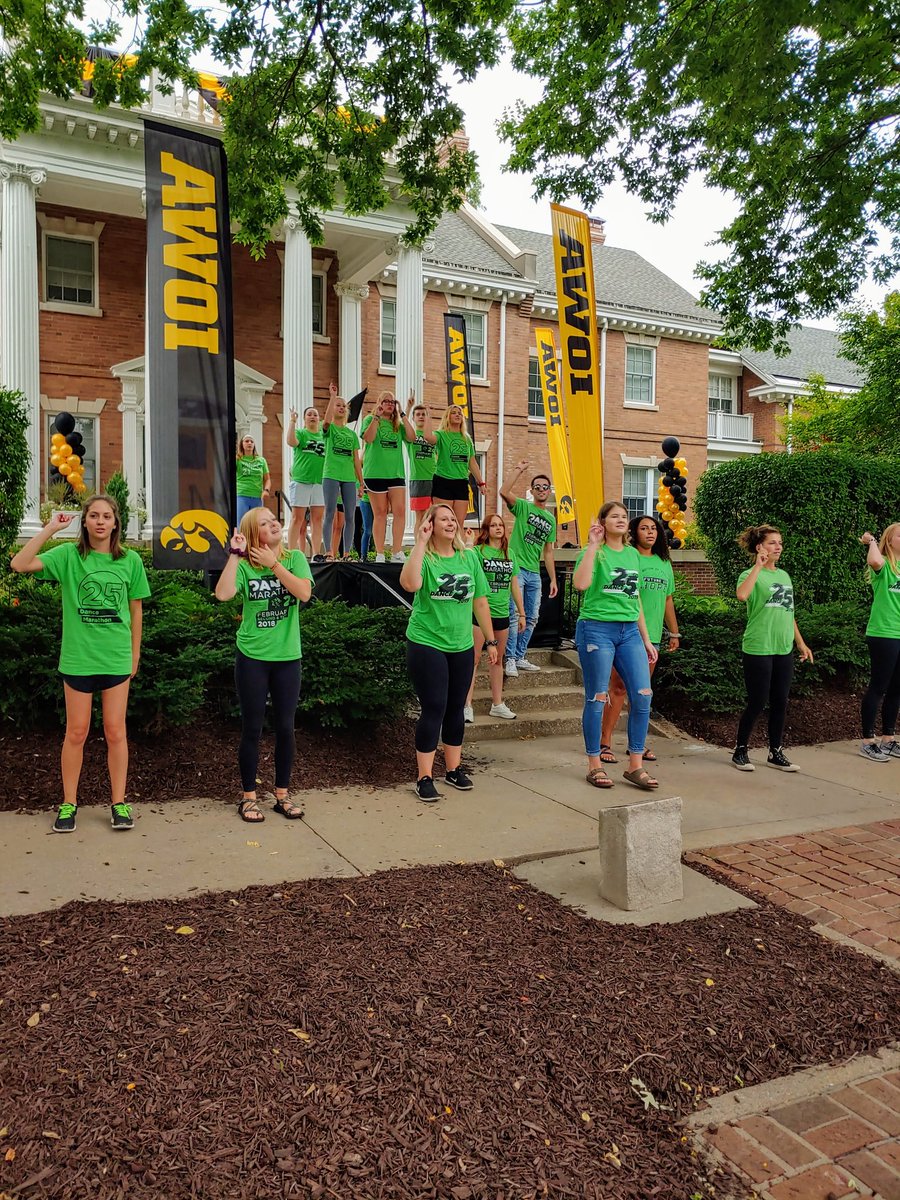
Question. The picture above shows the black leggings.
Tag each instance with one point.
(884, 685)
(442, 683)
(255, 679)
(768, 679)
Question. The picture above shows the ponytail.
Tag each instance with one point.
(751, 537)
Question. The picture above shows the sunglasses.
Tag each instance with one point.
(540, 487)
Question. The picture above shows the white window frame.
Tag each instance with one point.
(68, 229)
(387, 366)
(534, 364)
(649, 490)
(630, 402)
(81, 419)
(465, 307)
(714, 403)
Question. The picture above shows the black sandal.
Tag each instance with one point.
(249, 812)
(288, 809)
(607, 756)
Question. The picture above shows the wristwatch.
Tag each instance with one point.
(491, 642)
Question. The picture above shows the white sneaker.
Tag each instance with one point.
(524, 665)
(398, 557)
(510, 669)
(468, 714)
(379, 558)
(502, 710)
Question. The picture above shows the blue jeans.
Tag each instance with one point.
(530, 583)
(245, 503)
(602, 645)
(366, 538)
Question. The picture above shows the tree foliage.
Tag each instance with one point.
(821, 503)
(340, 100)
(14, 463)
(867, 419)
(792, 107)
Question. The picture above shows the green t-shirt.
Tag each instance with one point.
(657, 582)
(884, 619)
(499, 571)
(309, 457)
(441, 615)
(270, 621)
(770, 613)
(614, 592)
(534, 527)
(250, 475)
(96, 591)
(453, 453)
(421, 458)
(383, 457)
(340, 442)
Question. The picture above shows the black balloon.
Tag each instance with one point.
(64, 423)
(668, 463)
(661, 467)
(682, 504)
(668, 480)
(675, 543)
(671, 446)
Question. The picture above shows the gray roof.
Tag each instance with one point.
(622, 280)
(457, 244)
(813, 351)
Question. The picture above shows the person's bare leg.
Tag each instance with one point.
(294, 530)
(613, 708)
(452, 757)
(496, 671)
(379, 502)
(397, 498)
(425, 763)
(115, 706)
(78, 724)
(316, 517)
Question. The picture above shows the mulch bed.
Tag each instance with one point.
(443, 1032)
(831, 715)
(201, 760)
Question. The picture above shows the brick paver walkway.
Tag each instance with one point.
(846, 879)
(842, 1143)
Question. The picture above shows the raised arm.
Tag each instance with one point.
(508, 485)
(370, 433)
(745, 589)
(411, 575)
(408, 430)
(291, 435)
(329, 411)
(301, 588)
(584, 572)
(26, 561)
(874, 557)
(226, 588)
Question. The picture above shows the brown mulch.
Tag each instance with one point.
(829, 716)
(442, 1032)
(201, 760)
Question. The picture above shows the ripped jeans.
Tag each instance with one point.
(602, 645)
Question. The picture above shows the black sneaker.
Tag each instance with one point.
(65, 819)
(777, 760)
(121, 816)
(741, 759)
(426, 791)
(459, 779)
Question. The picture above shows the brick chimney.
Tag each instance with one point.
(460, 140)
(598, 230)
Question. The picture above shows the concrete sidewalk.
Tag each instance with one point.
(530, 805)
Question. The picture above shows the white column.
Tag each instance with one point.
(410, 360)
(297, 331)
(351, 296)
(132, 409)
(253, 405)
(20, 359)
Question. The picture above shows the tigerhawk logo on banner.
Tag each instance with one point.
(580, 371)
(194, 532)
(555, 416)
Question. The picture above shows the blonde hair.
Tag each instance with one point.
(445, 419)
(395, 418)
(240, 446)
(887, 552)
(458, 543)
(250, 530)
(116, 549)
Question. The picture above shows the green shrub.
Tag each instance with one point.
(117, 487)
(14, 463)
(821, 502)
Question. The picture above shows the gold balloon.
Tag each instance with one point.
(64, 468)
(74, 460)
(64, 450)
(57, 439)
(55, 460)
(685, 472)
(680, 463)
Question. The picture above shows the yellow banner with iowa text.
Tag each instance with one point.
(555, 414)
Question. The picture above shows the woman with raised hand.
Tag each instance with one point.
(272, 583)
(421, 453)
(307, 470)
(342, 473)
(253, 478)
(455, 461)
(103, 586)
(383, 432)
(768, 644)
(657, 587)
(883, 641)
(448, 585)
(501, 571)
(611, 632)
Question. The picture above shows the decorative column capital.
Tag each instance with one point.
(33, 175)
(293, 224)
(352, 291)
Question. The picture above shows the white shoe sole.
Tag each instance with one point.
(792, 769)
(743, 767)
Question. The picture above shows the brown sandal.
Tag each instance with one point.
(649, 756)
(607, 756)
(598, 778)
(249, 812)
(641, 779)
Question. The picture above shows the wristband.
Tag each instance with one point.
(490, 641)
(237, 553)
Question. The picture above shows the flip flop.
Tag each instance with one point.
(607, 756)
(248, 811)
(641, 780)
(598, 778)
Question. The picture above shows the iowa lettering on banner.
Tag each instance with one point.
(191, 297)
(456, 350)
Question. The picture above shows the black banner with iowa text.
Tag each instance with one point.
(190, 367)
(459, 391)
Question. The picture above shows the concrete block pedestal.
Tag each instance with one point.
(640, 854)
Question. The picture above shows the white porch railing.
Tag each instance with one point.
(729, 427)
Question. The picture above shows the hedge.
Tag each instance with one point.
(821, 501)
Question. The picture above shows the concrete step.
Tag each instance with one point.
(529, 725)
(531, 700)
(550, 678)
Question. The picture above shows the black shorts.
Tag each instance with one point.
(383, 485)
(499, 623)
(93, 683)
(443, 488)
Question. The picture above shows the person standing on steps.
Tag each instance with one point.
(455, 461)
(253, 478)
(306, 482)
(449, 586)
(421, 460)
(769, 637)
(270, 581)
(103, 588)
(342, 473)
(500, 570)
(533, 535)
(611, 632)
(383, 433)
(883, 640)
(657, 587)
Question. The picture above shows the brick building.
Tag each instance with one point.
(360, 309)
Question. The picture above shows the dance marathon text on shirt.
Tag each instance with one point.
(454, 587)
(623, 582)
(538, 529)
(781, 596)
(100, 597)
(278, 599)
